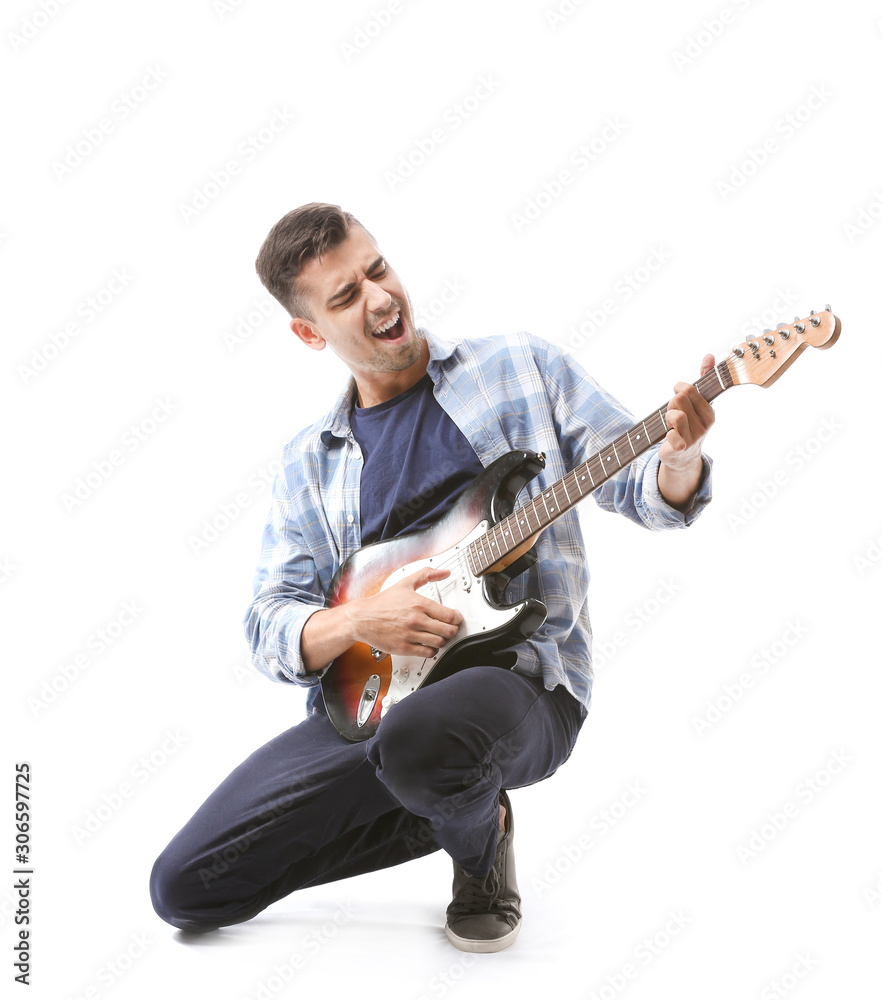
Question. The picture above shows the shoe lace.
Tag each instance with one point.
(478, 894)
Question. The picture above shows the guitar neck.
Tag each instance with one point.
(514, 534)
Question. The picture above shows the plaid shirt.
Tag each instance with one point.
(503, 393)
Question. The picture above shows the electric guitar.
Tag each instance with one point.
(485, 543)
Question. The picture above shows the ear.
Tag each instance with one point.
(308, 333)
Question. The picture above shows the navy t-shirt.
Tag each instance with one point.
(416, 462)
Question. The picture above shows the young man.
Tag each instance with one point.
(418, 421)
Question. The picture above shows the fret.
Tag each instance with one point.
(528, 520)
(483, 552)
(542, 498)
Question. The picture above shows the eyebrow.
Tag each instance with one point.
(343, 292)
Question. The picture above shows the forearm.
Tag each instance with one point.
(679, 486)
(326, 634)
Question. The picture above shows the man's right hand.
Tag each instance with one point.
(397, 620)
(401, 621)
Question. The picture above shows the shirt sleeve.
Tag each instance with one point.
(588, 418)
(286, 592)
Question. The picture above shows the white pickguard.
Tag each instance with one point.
(461, 591)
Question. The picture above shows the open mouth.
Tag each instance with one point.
(391, 329)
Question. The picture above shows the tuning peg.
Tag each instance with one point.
(769, 340)
(738, 352)
(815, 320)
(799, 327)
(828, 308)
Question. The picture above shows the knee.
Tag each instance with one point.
(419, 758)
(171, 892)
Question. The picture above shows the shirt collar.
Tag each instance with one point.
(336, 421)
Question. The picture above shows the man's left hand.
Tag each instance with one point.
(690, 416)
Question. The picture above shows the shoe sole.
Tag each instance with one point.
(482, 946)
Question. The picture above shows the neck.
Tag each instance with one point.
(511, 536)
(378, 387)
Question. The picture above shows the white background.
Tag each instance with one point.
(773, 587)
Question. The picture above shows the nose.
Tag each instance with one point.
(377, 298)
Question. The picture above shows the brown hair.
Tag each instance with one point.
(304, 234)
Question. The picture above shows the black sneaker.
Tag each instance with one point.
(485, 914)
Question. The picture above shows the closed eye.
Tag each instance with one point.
(378, 270)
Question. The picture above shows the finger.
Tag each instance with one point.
(707, 363)
(450, 618)
(694, 405)
(427, 574)
(678, 433)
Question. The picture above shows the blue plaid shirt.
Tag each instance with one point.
(503, 393)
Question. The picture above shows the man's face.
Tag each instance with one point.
(353, 295)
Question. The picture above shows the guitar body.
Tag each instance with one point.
(362, 683)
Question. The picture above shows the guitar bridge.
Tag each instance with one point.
(377, 654)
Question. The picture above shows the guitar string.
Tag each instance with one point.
(705, 381)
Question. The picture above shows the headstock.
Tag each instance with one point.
(762, 360)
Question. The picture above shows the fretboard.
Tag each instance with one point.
(512, 532)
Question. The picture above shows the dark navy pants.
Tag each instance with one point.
(310, 807)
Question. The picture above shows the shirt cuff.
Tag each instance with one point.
(660, 513)
(281, 658)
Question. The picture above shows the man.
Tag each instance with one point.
(417, 423)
